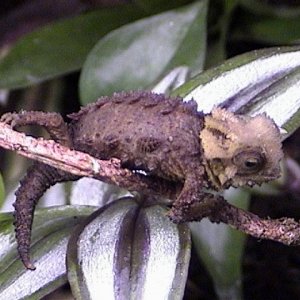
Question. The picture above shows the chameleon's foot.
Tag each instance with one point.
(205, 207)
(52, 122)
(176, 215)
(12, 119)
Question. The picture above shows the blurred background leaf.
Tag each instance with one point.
(287, 8)
(43, 39)
(219, 20)
(59, 48)
(266, 29)
(2, 191)
(136, 55)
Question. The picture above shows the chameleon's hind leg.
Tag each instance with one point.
(37, 180)
(52, 122)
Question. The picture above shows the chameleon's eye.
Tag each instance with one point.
(249, 161)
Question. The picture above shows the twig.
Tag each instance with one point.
(81, 164)
(284, 230)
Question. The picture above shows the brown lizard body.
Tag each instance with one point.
(164, 137)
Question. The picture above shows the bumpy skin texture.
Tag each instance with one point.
(145, 131)
(164, 137)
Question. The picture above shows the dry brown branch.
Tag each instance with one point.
(81, 164)
(283, 230)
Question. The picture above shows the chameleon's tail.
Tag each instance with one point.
(37, 180)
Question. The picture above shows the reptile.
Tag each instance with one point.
(162, 136)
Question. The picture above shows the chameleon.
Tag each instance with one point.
(162, 136)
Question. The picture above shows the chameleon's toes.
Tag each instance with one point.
(175, 215)
(6, 118)
(10, 119)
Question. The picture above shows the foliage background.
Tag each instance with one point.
(55, 69)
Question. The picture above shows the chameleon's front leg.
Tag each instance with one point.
(193, 204)
(204, 206)
(38, 178)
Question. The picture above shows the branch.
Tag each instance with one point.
(284, 230)
(80, 163)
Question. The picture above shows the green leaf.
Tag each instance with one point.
(51, 230)
(160, 5)
(90, 191)
(218, 30)
(271, 30)
(279, 9)
(2, 191)
(221, 249)
(138, 55)
(172, 80)
(129, 251)
(61, 47)
(259, 81)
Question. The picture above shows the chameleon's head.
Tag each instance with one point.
(240, 150)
